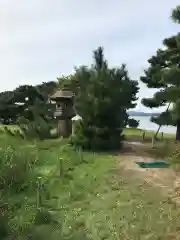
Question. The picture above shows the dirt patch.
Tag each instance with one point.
(164, 178)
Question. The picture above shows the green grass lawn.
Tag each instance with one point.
(93, 199)
(136, 135)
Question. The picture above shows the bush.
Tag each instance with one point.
(133, 123)
(38, 128)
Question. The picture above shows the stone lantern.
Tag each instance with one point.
(64, 112)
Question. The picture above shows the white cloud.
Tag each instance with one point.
(42, 39)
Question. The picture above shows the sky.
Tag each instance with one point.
(43, 39)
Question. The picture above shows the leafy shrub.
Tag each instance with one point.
(133, 123)
(38, 128)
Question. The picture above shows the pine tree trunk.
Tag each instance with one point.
(178, 131)
(155, 136)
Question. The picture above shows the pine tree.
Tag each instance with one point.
(104, 97)
(164, 74)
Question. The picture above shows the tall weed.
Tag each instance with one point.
(16, 168)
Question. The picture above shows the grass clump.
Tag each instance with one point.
(4, 226)
(16, 168)
(43, 217)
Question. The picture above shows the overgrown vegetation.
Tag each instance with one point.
(91, 200)
(30, 109)
(133, 123)
(20, 167)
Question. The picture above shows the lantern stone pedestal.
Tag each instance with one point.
(64, 112)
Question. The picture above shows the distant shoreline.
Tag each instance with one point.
(141, 114)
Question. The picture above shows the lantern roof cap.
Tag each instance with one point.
(62, 94)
